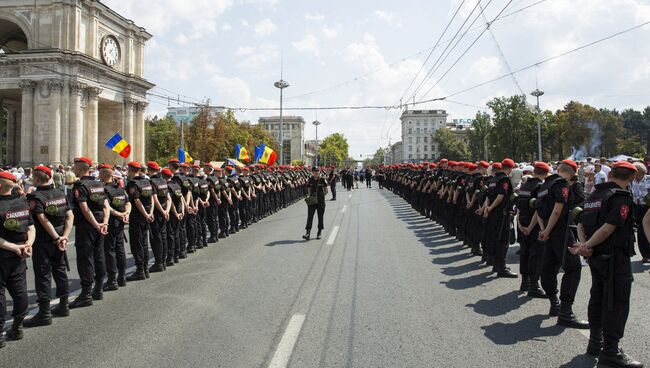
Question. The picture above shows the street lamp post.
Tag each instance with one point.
(316, 124)
(281, 84)
(537, 93)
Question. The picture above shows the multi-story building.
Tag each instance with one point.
(293, 132)
(187, 113)
(311, 147)
(393, 154)
(418, 129)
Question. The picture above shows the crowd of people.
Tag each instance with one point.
(175, 211)
(559, 213)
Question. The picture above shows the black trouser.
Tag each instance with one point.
(49, 263)
(233, 213)
(333, 189)
(13, 277)
(531, 254)
(191, 231)
(320, 208)
(173, 238)
(223, 217)
(243, 212)
(369, 182)
(497, 238)
(601, 318)
(158, 237)
(138, 228)
(642, 237)
(212, 219)
(201, 231)
(89, 244)
(554, 251)
(114, 249)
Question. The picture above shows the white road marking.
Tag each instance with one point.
(288, 341)
(349, 195)
(345, 208)
(332, 237)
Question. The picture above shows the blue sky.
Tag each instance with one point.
(229, 51)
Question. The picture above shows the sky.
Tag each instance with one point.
(368, 52)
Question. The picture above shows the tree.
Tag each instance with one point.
(637, 124)
(333, 150)
(478, 136)
(163, 138)
(515, 129)
(451, 147)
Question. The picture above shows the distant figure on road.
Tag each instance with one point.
(317, 188)
(368, 178)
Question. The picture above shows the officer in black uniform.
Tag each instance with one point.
(202, 199)
(175, 218)
(553, 206)
(606, 233)
(158, 228)
(212, 211)
(53, 219)
(140, 194)
(120, 209)
(191, 225)
(182, 181)
(333, 179)
(91, 215)
(531, 251)
(244, 203)
(223, 194)
(498, 212)
(16, 238)
(236, 197)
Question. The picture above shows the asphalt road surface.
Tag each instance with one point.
(383, 288)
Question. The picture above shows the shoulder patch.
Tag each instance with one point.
(625, 211)
(565, 192)
(76, 193)
(32, 204)
(506, 185)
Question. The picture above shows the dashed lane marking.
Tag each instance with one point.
(287, 343)
(332, 237)
(345, 208)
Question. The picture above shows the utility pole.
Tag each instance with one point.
(281, 84)
(316, 124)
(537, 93)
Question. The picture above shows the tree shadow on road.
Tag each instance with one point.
(285, 242)
(581, 361)
(529, 328)
(502, 304)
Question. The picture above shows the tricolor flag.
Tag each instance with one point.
(184, 157)
(241, 153)
(269, 156)
(259, 151)
(233, 162)
(119, 145)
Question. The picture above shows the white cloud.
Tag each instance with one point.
(244, 50)
(256, 57)
(231, 90)
(244, 23)
(308, 44)
(226, 27)
(387, 17)
(331, 32)
(314, 17)
(181, 39)
(265, 27)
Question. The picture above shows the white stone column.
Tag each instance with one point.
(11, 135)
(76, 137)
(92, 123)
(129, 123)
(27, 124)
(140, 134)
(54, 149)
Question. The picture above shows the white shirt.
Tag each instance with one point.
(640, 189)
(606, 169)
(601, 177)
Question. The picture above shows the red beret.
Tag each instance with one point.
(134, 165)
(105, 166)
(208, 165)
(173, 160)
(444, 160)
(451, 163)
(153, 165)
(497, 165)
(543, 165)
(432, 166)
(508, 163)
(196, 165)
(44, 169)
(624, 165)
(484, 164)
(571, 163)
(185, 165)
(85, 160)
(472, 166)
(228, 167)
(218, 169)
(8, 176)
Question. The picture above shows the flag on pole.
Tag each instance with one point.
(233, 162)
(119, 145)
(184, 157)
(241, 153)
(266, 155)
(259, 151)
(272, 158)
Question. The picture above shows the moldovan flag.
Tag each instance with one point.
(269, 156)
(119, 145)
(259, 151)
(234, 162)
(241, 153)
(184, 157)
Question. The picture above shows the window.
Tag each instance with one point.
(433, 147)
(426, 148)
(417, 139)
(410, 122)
(410, 157)
(410, 139)
(410, 130)
(426, 156)
(418, 123)
(426, 139)
(417, 130)
(410, 148)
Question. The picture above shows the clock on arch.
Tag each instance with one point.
(110, 50)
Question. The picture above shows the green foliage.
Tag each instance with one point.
(478, 136)
(451, 147)
(163, 138)
(297, 163)
(514, 128)
(333, 150)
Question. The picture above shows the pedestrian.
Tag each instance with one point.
(605, 231)
(368, 176)
(333, 178)
(91, 214)
(600, 176)
(16, 239)
(120, 211)
(317, 190)
(640, 188)
(53, 221)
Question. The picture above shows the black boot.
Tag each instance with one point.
(525, 283)
(137, 275)
(212, 239)
(2, 337)
(110, 284)
(156, 268)
(307, 235)
(318, 234)
(61, 310)
(42, 318)
(16, 330)
(534, 291)
(554, 311)
(146, 271)
(612, 356)
(595, 342)
(121, 280)
(170, 262)
(506, 273)
(98, 293)
(83, 300)
(566, 318)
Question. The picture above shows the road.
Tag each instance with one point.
(383, 288)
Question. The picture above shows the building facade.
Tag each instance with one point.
(394, 154)
(418, 129)
(71, 76)
(293, 140)
(311, 149)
